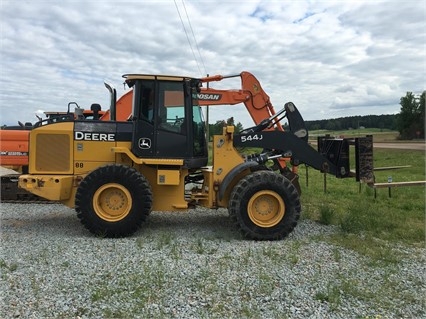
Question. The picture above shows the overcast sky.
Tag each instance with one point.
(331, 58)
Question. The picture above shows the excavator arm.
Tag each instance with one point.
(255, 99)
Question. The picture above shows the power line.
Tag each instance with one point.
(187, 37)
(195, 39)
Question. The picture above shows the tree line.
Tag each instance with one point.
(410, 121)
(388, 121)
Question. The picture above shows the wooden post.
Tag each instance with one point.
(325, 182)
(391, 184)
(307, 178)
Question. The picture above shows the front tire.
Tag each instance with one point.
(113, 201)
(265, 206)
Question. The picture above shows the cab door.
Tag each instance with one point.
(171, 133)
(143, 138)
(159, 119)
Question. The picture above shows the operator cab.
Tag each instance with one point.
(167, 119)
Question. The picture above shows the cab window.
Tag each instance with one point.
(171, 109)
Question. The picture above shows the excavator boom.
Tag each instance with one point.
(255, 99)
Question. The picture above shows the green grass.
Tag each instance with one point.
(369, 223)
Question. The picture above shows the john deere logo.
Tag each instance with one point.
(145, 143)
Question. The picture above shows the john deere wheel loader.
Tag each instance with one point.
(115, 173)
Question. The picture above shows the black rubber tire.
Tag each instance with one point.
(134, 193)
(257, 183)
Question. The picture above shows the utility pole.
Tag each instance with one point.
(207, 118)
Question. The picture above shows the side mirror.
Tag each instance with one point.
(197, 84)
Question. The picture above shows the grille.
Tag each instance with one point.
(53, 153)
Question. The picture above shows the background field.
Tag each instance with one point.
(380, 135)
(368, 220)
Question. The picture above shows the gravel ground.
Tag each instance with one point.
(194, 265)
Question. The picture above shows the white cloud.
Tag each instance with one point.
(331, 58)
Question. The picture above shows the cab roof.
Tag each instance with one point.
(133, 77)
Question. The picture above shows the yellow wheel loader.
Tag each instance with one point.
(114, 173)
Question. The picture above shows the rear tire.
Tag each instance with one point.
(113, 201)
(264, 206)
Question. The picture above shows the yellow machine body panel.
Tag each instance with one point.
(225, 158)
(54, 149)
(168, 187)
(168, 177)
(51, 187)
(93, 151)
(89, 155)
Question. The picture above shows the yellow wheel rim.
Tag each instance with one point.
(266, 208)
(112, 202)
